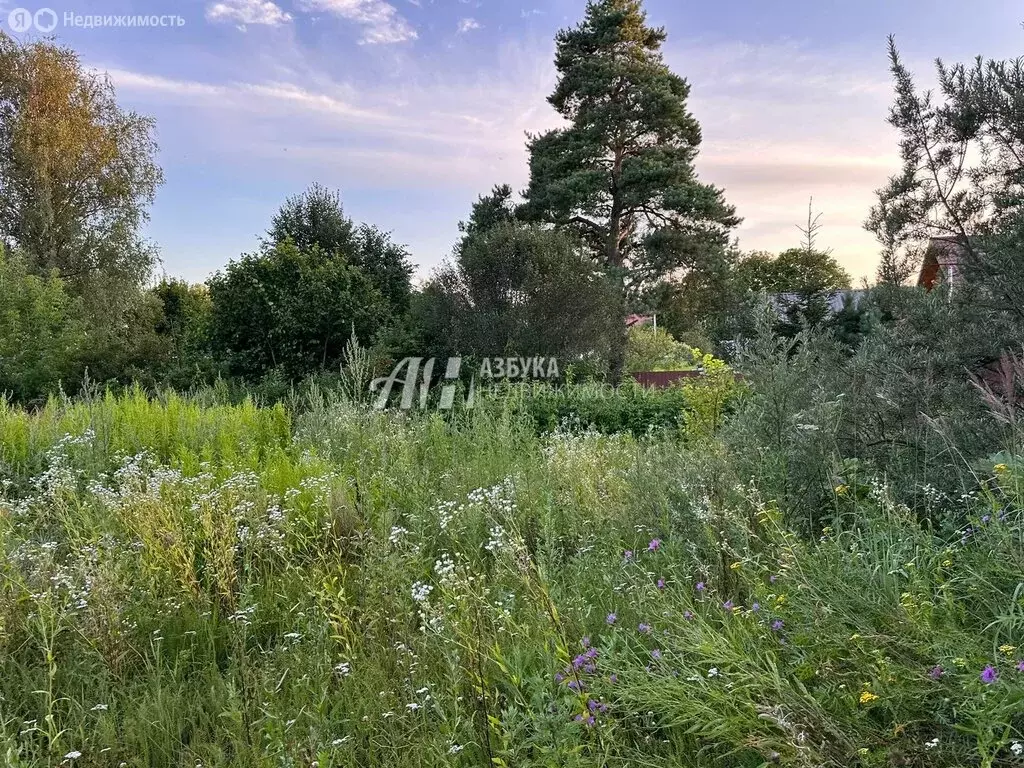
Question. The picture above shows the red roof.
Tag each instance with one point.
(633, 320)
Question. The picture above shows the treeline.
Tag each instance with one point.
(614, 221)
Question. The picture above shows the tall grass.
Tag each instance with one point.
(229, 585)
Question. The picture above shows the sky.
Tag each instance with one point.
(414, 108)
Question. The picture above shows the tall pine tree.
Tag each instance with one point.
(621, 173)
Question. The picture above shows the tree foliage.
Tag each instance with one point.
(77, 172)
(519, 289)
(651, 349)
(316, 218)
(291, 309)
(41, 333)
(621, 173)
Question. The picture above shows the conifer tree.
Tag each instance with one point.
(621, 172)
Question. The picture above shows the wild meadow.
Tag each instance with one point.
(216, 553)
(187, 582)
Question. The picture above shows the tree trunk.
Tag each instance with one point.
(613, 264)
(620, 336)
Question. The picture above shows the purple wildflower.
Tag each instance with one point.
(590, 668)
(575, 685)
(644, 627)
(628, 555)
(585, 641)
(687, 615)
(661, 583)
(755, 607)
(654, 546)
(613, 679)
(1020, 666)
(579, 661)
(592, 705)
(773, 578)
(611, 619)
(986, 519)
(700, 586)
(989, 675)
(559, 677)
(578, 718)
(656, 654)
(936, 673)
(591, 720)
(727, 605)
(777, 625)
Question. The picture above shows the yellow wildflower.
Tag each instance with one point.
(855, 636)
(842, 490)
(947, 563)
(736, 566)
(867, 697)
(1000, 468)
(1007, 649)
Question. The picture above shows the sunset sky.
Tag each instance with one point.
(412, 108)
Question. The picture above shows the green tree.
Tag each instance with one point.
(962, 176)
(316, 218)
(41, 334)
(183, 326)
(77, 173)
(621, 173)
(292, 310)
(521, 290)
(962, 179)
(651, 349)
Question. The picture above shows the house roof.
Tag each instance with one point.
(636, 320)
(942, 255)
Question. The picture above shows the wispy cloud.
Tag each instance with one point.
(244, 12)
(794, 124)
(465, 25)
(381, 21)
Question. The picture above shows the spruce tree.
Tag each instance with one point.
(621, 172)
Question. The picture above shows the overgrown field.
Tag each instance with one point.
(191, 584)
